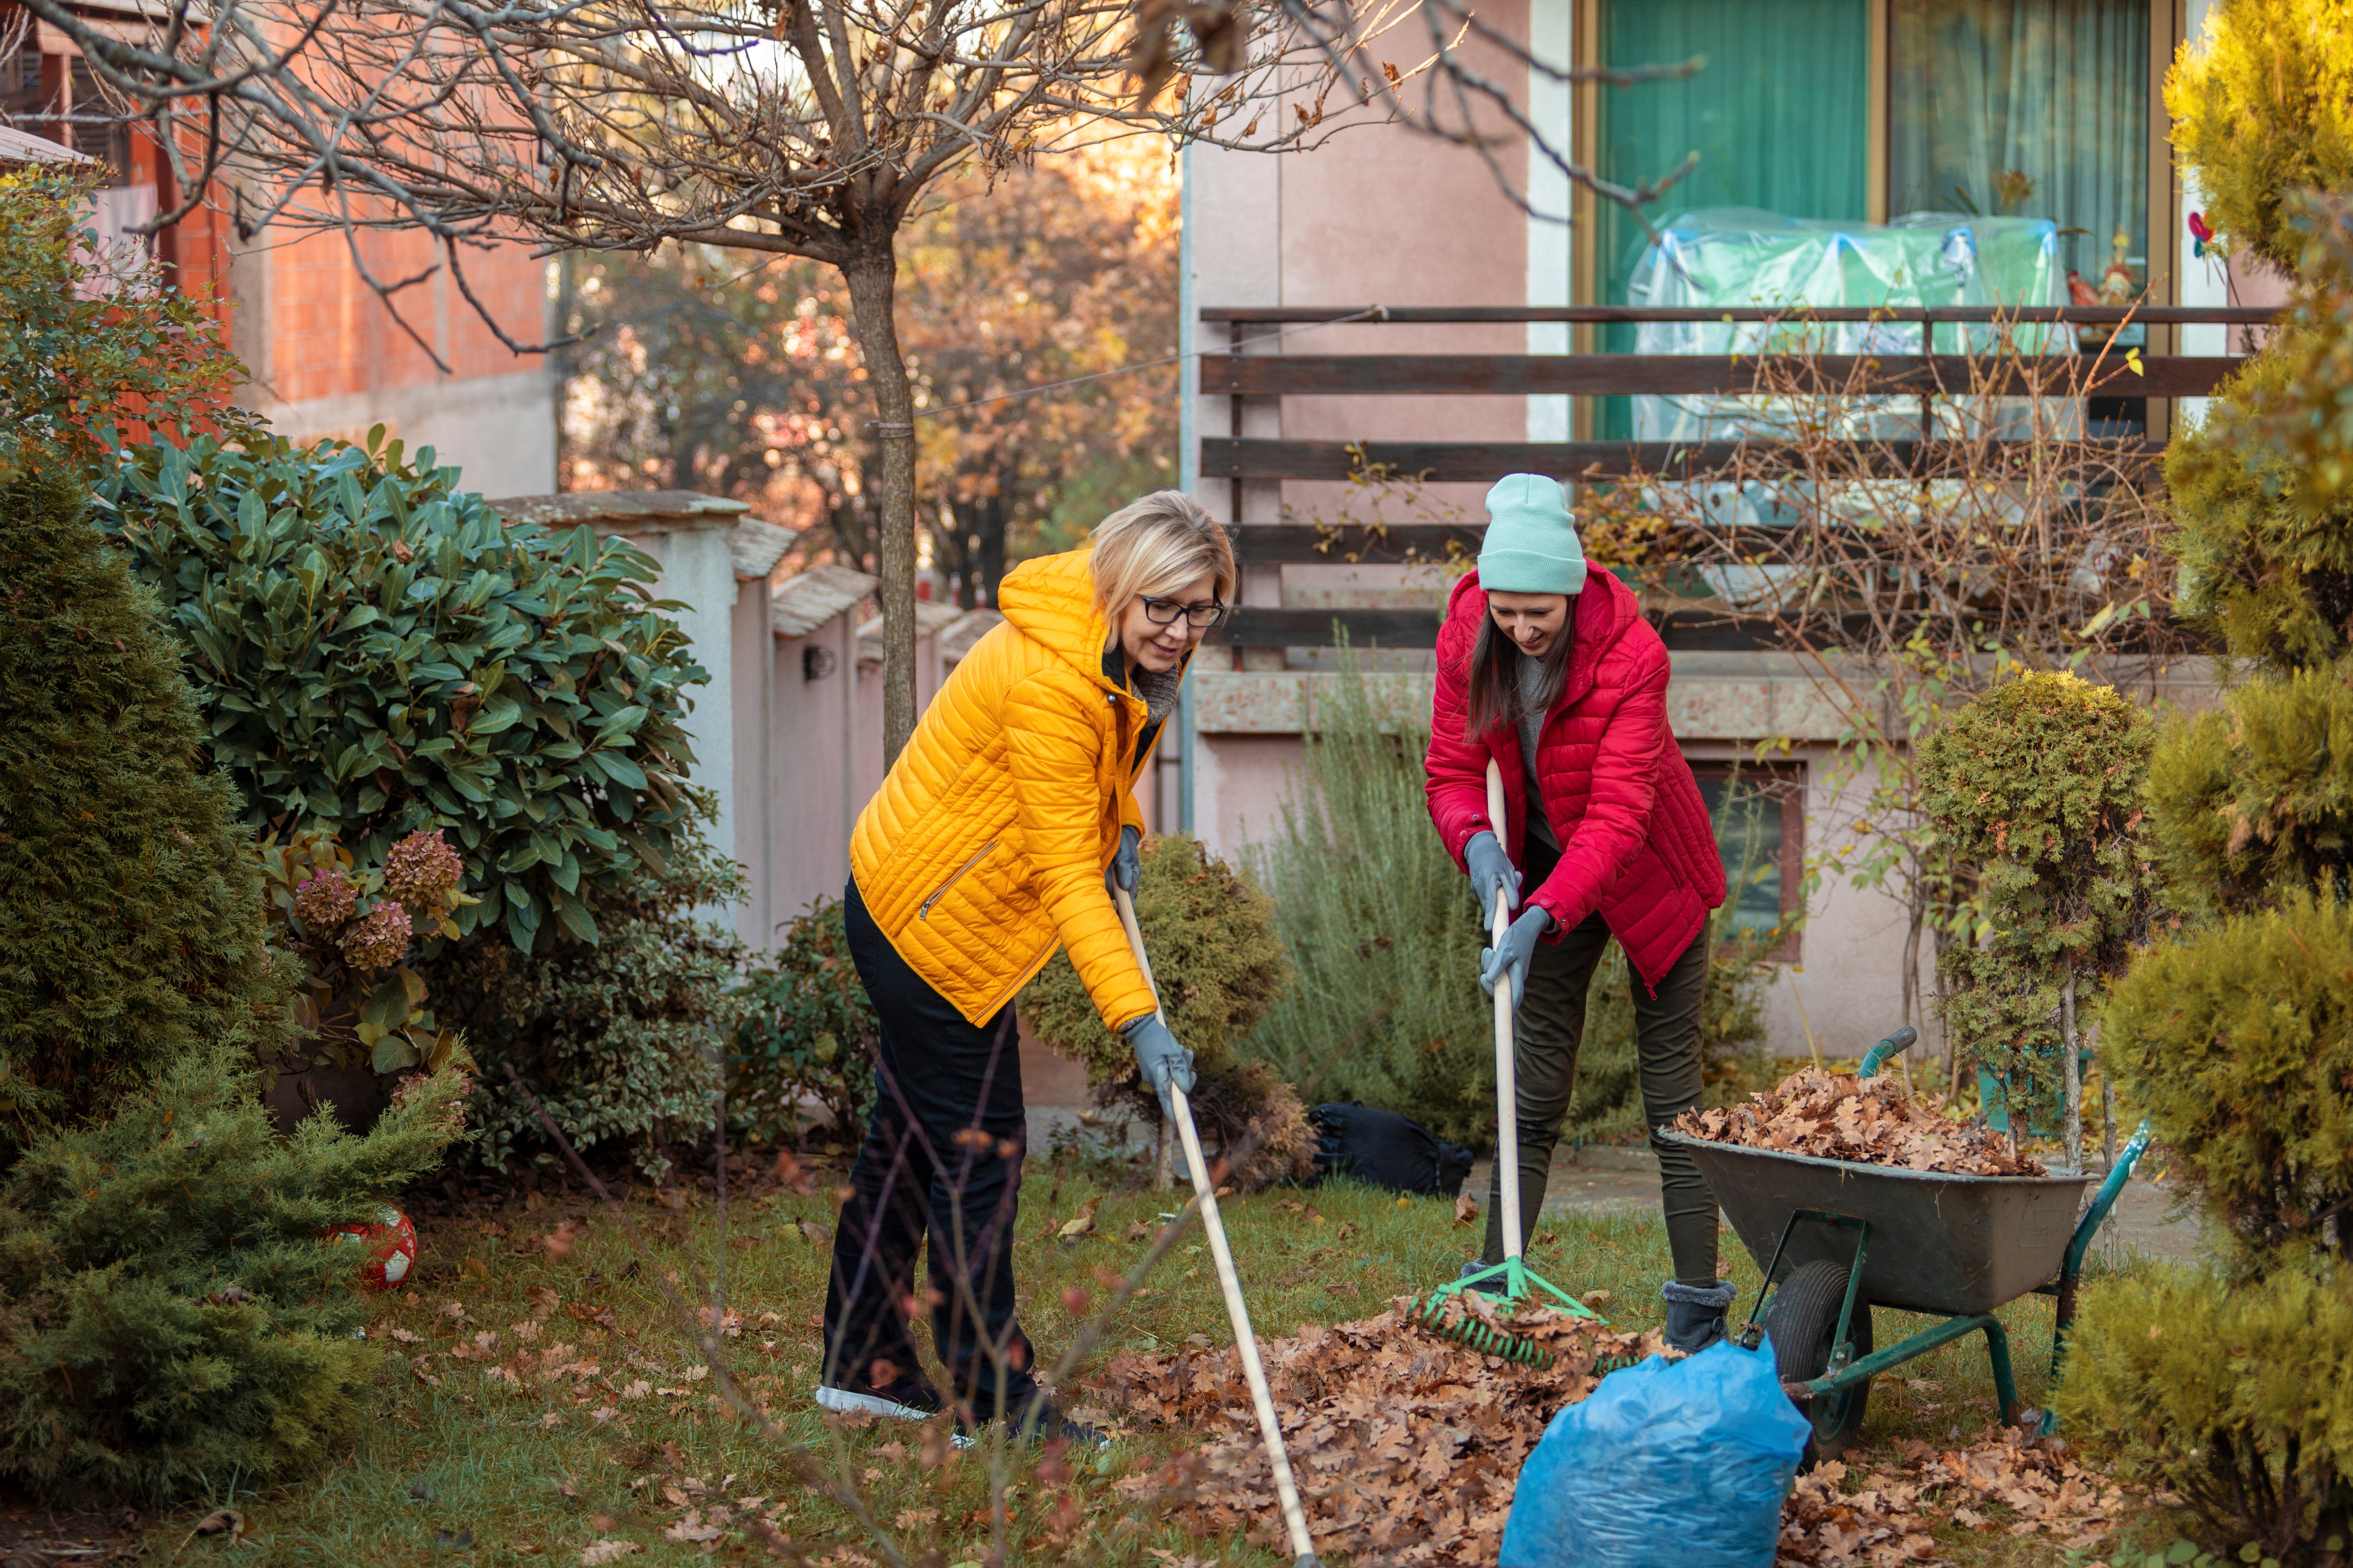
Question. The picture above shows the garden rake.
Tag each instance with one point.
(1286, 1489)
(1518, 1279)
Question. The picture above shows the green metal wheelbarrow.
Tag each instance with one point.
(1836, 1238)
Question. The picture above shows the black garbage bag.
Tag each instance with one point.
(1389, 1151)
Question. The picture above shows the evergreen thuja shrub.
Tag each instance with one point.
(2238, 1401)
(2256, 801)
(2262, 109)
(377, 653)
(2039, 785)
(171, 1311)
(2235, 1039)
(2265, 566)
(130, 914)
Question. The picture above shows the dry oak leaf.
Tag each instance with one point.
(597, 1552)
(1466, 1208)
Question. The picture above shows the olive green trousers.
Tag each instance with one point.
(1544, 1038)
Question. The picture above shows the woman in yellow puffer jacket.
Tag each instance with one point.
(996, 838)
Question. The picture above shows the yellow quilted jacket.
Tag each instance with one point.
(987, 845)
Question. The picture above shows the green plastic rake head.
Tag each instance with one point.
(1465, 1327)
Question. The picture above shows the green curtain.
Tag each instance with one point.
(2038, 108)
(1780, 117)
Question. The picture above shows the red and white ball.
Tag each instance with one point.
(390, 1245)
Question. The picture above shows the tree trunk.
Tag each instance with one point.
(874, 285)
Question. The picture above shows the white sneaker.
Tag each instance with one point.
(905, 1402)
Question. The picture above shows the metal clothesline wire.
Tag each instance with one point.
(1370, 312)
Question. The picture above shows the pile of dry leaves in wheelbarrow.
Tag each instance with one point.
(1408, 1447)
(1838, 1116)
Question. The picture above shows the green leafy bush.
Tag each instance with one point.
(1215, 961)
(2239, 1401)
(808, 1035)
(2039, 783)
(130, 914)
(377, 654)
(1385, 934)
(85, 339)
(2262, 108)
(624, 1041)
(1219, 966)
(172, 1314)
(2236, 1041)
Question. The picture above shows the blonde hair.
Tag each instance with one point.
(1152, 547)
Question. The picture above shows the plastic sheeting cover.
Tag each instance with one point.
(1741, 257)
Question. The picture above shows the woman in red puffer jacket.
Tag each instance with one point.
(1551, 671)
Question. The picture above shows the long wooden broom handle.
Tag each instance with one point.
(1507, 1088)
(1286, 1490)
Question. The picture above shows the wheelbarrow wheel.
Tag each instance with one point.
(1803, 1322)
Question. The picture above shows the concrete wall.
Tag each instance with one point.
(326, 357)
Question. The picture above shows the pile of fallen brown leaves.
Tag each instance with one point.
(1838, 1116)
(1902, 1490)
(1403, 1443)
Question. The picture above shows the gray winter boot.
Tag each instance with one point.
(1696, 1313)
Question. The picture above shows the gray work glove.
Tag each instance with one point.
(1159, 1058)
(1490, 868)
(1519, 941)
(1125, 866)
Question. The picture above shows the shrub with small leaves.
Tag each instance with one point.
(377, 653)
(623, 1043)
(1215, 957)
(809, 1034)
(2040, 783)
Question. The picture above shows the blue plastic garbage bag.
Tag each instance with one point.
(1666, 1464)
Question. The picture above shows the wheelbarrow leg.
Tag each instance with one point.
(2005, 1385)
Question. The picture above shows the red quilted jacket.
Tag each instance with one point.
(1635, 839)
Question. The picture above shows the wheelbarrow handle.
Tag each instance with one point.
(1901, 1039)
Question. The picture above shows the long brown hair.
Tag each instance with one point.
(1495, 699)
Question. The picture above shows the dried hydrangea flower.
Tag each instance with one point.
(378, 938)
(422, 870)
(326, 901)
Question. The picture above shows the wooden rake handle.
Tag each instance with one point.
(1507, 1088)
(1286, 1489)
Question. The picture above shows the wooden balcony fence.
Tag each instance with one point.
(1239, 376)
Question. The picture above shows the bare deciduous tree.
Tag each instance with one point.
(810, 128)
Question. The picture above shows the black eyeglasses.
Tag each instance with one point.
(1200, 617)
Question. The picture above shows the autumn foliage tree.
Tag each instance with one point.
(697, 373)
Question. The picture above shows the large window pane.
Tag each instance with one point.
(2037, 108)
(1779, 117)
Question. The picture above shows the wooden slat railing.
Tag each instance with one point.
(1242, 374)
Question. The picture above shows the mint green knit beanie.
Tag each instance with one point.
(1530, 545)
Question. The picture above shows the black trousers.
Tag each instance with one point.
(941, 1164)
(1667, 1046)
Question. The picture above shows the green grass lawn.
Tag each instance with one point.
(473, 1467)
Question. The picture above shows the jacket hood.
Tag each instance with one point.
(1051, 599)
(1599, 616)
